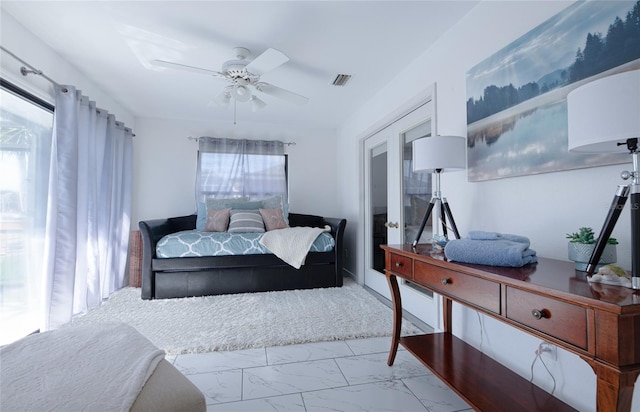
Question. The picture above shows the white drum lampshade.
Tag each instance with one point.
(604, 112)
(446, 153)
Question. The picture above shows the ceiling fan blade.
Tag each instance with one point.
(267, 61)
(281, 93)
(185, 67)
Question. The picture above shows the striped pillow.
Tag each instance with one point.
(243, 221)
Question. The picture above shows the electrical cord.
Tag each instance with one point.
(539, 352)
(481, 332)
(443, 223)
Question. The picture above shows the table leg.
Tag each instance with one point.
(614, 387)
(447, 310)
(397, 317)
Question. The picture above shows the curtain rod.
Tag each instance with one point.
(31, 70)
(198, 138)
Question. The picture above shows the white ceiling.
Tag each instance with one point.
(112, 42)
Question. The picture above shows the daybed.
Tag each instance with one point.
(214, 275)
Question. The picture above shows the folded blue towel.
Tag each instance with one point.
(498, 252)
(482, 235)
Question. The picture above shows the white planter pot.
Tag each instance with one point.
(580, 253)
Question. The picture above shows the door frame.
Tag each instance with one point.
(414, 301)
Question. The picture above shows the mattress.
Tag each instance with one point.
(193, 243)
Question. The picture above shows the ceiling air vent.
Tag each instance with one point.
(341, 79)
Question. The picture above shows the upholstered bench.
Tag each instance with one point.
(108, 366)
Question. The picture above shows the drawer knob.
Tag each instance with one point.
(445, 281)
(398, 264)
(539, 314)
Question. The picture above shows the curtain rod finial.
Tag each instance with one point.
(24, 71)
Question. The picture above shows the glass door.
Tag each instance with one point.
(395, 203)
(417, 190)
(25, 145)
(379, 204)
(381, 230)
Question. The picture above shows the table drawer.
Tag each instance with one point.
(400, 264)
(479, 292)
(559, 319)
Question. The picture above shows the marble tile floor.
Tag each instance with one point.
(350, 376)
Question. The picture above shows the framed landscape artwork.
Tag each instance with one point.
(516, 98)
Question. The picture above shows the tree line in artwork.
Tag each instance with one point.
(620, 45)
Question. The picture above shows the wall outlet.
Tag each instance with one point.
(547, 350)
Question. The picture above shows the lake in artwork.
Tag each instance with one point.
(516, 107)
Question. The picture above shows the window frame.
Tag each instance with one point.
(20, 92)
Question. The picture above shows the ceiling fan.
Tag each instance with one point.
(244, 76)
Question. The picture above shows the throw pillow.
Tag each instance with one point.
(274, 202)
(217, 220)
(249, 205)
(242, 221)
(273, 218)
(219, 204)
(201, 216)
(212, 203)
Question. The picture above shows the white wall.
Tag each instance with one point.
(164, 165)
(543, 207)
(34, 51)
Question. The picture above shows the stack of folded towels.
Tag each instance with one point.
(491, 248)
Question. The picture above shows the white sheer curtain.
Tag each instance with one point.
(88, 211)
(230, 168)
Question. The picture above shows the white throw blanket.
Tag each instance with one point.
(293, 243)
(90, 368)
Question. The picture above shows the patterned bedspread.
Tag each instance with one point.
(191, 243)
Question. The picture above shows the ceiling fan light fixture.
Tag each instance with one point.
(243, 76)
(223, 98)
(241, 93)
(257, 104)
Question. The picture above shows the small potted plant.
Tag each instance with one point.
(581, 246)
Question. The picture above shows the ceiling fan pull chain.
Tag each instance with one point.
(235, 103)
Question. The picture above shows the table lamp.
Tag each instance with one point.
(438, 154)
(604, 116)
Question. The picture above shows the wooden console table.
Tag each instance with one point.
(548, 299)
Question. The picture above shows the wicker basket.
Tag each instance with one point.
(135, 259)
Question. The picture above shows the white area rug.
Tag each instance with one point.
(250, 320)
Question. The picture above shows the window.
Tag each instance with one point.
(241, 168)
(25, 144)
(262, 176)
